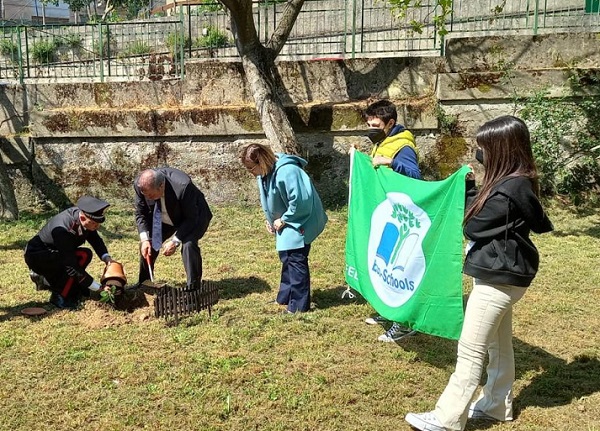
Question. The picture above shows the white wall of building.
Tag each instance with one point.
(32, 10)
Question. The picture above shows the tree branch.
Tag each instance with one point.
(286, 23)
(242, 24)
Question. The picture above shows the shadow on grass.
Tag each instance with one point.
(8, 313)
(15, 245)
(594, 232)
(230, 288)
(335, 296)
(559, 382)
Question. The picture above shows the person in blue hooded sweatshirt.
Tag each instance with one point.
(294, 214)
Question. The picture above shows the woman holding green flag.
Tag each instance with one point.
(503, 262)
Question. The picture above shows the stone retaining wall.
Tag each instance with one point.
(66, 139)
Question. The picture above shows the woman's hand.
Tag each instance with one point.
(278, 224)
(269, 227)
(470, 175)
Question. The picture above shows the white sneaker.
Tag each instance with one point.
(375, 320)
(424, 421)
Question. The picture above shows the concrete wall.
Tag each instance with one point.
(63, 140)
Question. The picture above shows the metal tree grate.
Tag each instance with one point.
(174, 302)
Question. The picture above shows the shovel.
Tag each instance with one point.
(150, 269)
(151, 284)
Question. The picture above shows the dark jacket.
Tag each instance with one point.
(185, 204)
(502, 252)
(64, 233)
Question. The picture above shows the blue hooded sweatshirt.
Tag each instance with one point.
(288, 193)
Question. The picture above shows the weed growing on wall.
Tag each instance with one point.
(44, 51)
(9, 49)
(212, 38)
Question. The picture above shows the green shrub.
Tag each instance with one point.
(214, 38)
(137, 47)
(9, 49)
(174, 40)
(44, 51)
(106, 48)
(207, 6)
(73, 41)
(565, 136)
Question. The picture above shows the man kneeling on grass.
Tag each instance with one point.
(55, 258)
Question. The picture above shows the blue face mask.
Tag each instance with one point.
(376, 135)
(479, 155)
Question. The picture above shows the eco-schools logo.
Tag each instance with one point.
(395, 256)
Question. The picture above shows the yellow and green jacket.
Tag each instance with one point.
(396, 146)
(391, 145)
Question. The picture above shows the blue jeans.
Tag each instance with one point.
(294, 289)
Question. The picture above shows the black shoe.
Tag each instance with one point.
(40, 281)
(60, 302)
(396, 333)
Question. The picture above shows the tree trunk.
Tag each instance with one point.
(258, 62)
(8, 203)
(263, 81)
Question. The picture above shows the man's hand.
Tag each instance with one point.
(381, 161)
(145, 249)
(278, 224)
(169, 248)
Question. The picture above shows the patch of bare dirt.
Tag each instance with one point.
(132, 306)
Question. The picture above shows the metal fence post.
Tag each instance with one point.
(181, 47)
(27, 52)
(101, 51)
(108, 47)
(20, 53)
(189, 32)
(535, 17)
(353, 28)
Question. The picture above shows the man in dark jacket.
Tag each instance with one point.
(55, 258)
(169, 206)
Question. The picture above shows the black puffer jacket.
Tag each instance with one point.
(502, 252)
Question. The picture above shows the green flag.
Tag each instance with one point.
(404, 246)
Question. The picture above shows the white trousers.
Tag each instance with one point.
(487, 328)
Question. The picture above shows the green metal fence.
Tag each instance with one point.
(157, 47)
(134, 50)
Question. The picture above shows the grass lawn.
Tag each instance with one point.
(248, 367)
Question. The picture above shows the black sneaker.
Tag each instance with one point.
(396, 333)
(40, 281)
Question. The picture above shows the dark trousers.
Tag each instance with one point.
(190, 254)
(294, 289)
(49, 264)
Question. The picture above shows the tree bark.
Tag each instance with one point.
(258, 62)
(8, 202)
(263, 83)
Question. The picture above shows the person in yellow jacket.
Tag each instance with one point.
(393, 146)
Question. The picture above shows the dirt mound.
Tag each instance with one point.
(130, 307)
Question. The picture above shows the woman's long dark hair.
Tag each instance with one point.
(507, 152)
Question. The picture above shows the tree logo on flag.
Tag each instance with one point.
(396, 259)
